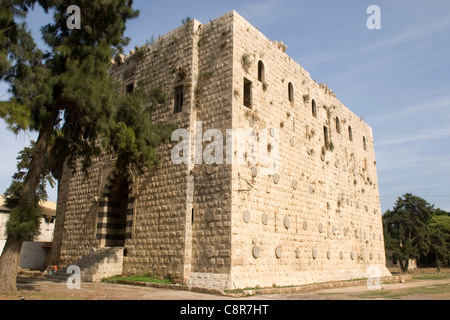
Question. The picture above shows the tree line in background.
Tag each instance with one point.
(414, 229)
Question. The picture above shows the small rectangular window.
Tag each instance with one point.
(338, 125)
(247, 93)
(129, 88)
(178, 99)
(326, 138)
(291, 92)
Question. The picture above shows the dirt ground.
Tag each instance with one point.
(425, 288)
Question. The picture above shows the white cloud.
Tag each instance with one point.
(411, 35)
(408, 111)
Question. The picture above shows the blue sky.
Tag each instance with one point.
(397, 78)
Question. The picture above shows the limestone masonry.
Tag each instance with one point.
(228, 226)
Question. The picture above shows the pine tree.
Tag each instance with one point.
(12, 194)
(405, 229)
(68, 97)
(439, 228)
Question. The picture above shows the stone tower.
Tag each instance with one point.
(312, 217)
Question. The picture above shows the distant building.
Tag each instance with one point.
(35, 254)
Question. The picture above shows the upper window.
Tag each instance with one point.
(326, 138)
(261, 71)
(291, 92)
(178, 99)
(247, 93)
(314, 109)
(365, 143)
(338, 125)
(350, 133)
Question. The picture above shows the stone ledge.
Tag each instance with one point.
(172, 287)
(312, 287)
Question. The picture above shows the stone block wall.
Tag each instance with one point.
(170, 232)
(318, 218)
(229, 225)
(211, 197)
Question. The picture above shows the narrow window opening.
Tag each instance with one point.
(338, 125)
(247, 93)
(350, 133)
(178, 99)
(291, 92)
(326, 138)
(365, 143)
(314, 109)
(261, 71)
(192, 217)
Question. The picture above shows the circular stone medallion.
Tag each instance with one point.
(276, 178)
(272, 133)
(256, 252)
(334, 230)
(247, 216)
(278, 252)
(287, 223)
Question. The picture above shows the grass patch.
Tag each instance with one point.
(397, 294)
(137, 278)
(431, 276)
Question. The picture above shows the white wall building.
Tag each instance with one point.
(34, 254)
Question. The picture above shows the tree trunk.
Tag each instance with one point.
(404, 266)
(28, 195)
(9, 260)
(401, 265)
(438, 263)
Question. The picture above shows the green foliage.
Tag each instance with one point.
(68, 96)
(12, 194)
(24, 222)
(137, 278)
(405, 228)
(134, 137)
(331, 146)
(439, 229)
(17, 116)
(186, 20)
(139, 53)
(414, 229)
(246, 61)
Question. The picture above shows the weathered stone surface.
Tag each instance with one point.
(185, 222)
